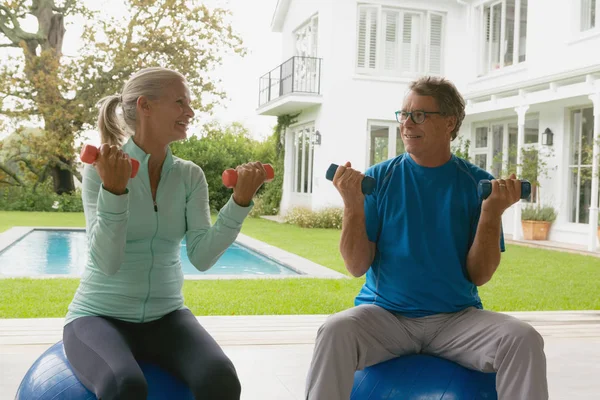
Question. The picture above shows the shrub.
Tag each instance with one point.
(262, 207)
(538, 213)
(219, 148)
(22, 198)
(330, 218)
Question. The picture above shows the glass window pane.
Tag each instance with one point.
(298, 160)
(481, 137)
(513, 131)
(587, 136)
(523, 32)
(303, 160)
(481, 161)
(308, 158)
(509, 37)
(497, 143)
(575, 137)
(399, 143)
(573, 194)
(379, 144)
(585, 199)
(588, 14)
(496, 22)
(532, 131)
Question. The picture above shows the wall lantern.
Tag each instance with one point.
(317, 138)
(547, 137)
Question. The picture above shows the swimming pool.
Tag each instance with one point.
(64, 252)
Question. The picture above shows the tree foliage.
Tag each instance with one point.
(58, 93)
(218, 148)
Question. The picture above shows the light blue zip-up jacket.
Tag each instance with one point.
(133, 271)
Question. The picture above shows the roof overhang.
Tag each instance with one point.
(279, 15)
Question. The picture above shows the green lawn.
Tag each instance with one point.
(527, 279)
(9, 219)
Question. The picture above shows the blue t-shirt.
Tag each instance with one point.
(423, 221)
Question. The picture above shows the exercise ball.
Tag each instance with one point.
(422, 377)
(51, 377)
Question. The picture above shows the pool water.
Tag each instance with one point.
(46, 252)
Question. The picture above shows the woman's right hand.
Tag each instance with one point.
(114, 168)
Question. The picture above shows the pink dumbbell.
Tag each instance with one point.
(230, 175)
(89, 154)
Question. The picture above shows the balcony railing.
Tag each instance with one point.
(296, 75)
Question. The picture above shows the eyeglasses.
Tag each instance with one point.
(417, 116)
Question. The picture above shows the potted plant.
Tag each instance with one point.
(536, 221)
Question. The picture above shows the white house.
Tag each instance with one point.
(529, 70)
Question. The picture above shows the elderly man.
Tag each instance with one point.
(426, 242)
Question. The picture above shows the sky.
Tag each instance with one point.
(251, 19)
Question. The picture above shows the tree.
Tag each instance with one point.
(460, 148)
(61, 93)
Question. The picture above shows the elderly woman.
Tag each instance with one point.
(129, 304)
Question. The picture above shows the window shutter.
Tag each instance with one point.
(367, 37)
(410, 42)
(435, 43)
(390, 19)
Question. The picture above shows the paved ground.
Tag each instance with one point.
(272, 353)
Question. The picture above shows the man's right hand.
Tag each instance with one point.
(348, 183)
(114, 168)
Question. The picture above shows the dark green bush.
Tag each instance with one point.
(21, 198)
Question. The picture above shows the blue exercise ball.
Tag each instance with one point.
(51, 378)
(422, 377)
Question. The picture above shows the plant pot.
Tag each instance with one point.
(535, 230)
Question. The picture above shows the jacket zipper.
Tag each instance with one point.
(151, 251)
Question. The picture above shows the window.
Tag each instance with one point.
(503, 34)
(580, 165)
(399, 42)
(306, 66)
(496, 149)
(385, 141)
(303, 158)
(589, 10)
(307, 37)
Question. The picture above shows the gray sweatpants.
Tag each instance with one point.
(477, 339)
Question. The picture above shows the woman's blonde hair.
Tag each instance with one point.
(148, 82)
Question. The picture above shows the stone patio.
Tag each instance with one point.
(272, 353)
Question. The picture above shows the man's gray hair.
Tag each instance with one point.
(447, 96)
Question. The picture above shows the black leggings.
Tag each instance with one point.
(103, 353)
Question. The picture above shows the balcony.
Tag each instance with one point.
(290, 87)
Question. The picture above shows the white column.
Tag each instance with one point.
(517, 228)
(592, 242)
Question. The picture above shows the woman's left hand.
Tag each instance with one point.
(250, 178)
